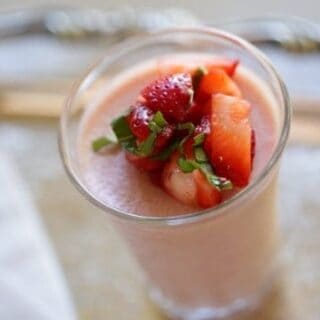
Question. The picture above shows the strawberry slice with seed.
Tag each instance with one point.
(171, 95)
(207, 195)
(138, 121)
(231, 139)
(189, 188)
(216, 81)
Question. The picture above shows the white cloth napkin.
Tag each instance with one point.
(31, 283)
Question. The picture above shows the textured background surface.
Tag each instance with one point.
(214, 10)
(101, 273)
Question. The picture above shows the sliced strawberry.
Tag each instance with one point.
(171, 95)
(144, 163)
(189, 188)
(139, 119)
(178, 184)
(207, 195)
(216, 81)
(169, 66)
(230, 138)
(164, 138)
(198, 109)
(228, 65)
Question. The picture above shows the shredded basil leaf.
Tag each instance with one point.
(121, 129)
(198, 139)
(159, 119)
(186, 126)
(154, 127)
(200, 155)
(146, 147)
(187, 165)
(100, 143)
(197, 77)
(219, 182)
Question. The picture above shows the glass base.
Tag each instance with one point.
(240, 306)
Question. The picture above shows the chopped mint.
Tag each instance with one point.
(146, 147)
(121, 129)
(219, 182)
(159, 119)
(200, 155)
(154, 127)
(187, 165)
(198, 139)
(198, 75)
(101, 142)
(186, 126)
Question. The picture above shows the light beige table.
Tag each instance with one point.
(102, 274)
(100, 271)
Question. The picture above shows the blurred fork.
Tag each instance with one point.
(290, 33)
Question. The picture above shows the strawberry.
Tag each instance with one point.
(189, 188)
(206, 194)
(216, 81)
(230, 138)
(178, 184)
(171, 95)
(138, 121)
(144, 163)
(164, 138)
(167, 66)
(198, 109)
(228, 65)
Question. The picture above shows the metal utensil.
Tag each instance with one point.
(290, 33)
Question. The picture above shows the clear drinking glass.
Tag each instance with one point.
(210, 263)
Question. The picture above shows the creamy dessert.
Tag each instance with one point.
(248, 156)
(172, 136)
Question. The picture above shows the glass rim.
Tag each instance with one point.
(137, 42)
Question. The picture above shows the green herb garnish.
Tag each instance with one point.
(200, 155)
(219, 182)
(154, 127)
(146, 147)
(187, 165)
(198, 139)
(186, 126)
(159, 119)
(198, 75)
(101, 142)
(121, 129)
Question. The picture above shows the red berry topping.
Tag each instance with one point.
(144, 163)
(229, 66)
(207, 195)
(230, 138)
(216, 81)
(163, 138)
(139, 119)
(171, 95)
(189, 188)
